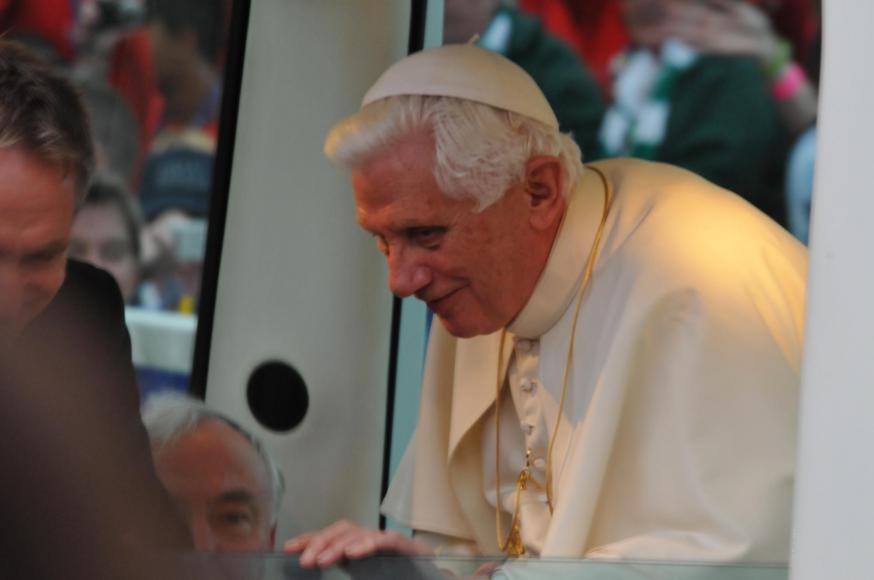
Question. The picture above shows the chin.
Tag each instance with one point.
(467, 328)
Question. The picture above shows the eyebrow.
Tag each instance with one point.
(406, 225)
(238, 495)
(52, 249)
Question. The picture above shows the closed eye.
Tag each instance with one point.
(43, 257)
(427, 236)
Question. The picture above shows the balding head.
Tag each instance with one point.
(224, 482)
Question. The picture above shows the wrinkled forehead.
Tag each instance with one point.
(217, 456)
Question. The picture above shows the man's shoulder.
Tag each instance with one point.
(81, 274)
(85, 283)
(89, 296)
(672, 218)
(626, 172)
(655, 178)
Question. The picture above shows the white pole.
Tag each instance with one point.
(834, 502)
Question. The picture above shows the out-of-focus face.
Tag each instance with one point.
(100, 237)
(166, 54)
(221, 486)
(648, 21)
(475, 271)
(36, 212)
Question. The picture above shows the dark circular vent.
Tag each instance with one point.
(277, 396)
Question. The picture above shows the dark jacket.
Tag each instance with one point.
(79, 491)
(725, 127)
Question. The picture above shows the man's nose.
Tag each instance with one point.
(406, 275)
(205, 539)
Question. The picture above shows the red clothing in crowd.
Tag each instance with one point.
(50, 20)
(596, 31)
(593, 28)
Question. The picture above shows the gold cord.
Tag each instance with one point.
(513, 545)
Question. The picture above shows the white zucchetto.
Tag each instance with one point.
(466, 72)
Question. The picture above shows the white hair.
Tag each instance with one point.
(481, 151)
(170, 415)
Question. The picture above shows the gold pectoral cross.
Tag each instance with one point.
(514, 547)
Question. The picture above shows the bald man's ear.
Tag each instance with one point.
(544, 182)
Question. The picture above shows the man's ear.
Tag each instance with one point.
(544, 182)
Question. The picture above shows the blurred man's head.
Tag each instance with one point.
(183, 35)
(106, 233)
(46, 160)
(462, 181)
(221, 477)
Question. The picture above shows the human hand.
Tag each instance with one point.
(725, 27)
(157, 239)
(345, 539)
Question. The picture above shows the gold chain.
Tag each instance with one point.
(513, 545)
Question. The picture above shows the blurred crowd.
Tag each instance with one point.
(150, 72)
(725, 88)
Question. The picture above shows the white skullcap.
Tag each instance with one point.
(466, 72)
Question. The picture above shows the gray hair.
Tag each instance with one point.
(41, 112)
(170, 415)
(481, 151)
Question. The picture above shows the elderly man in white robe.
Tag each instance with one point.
(616, 369)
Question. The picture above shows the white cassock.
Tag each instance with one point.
(677, 439)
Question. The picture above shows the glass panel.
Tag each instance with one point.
(151, 75)
(275, 567)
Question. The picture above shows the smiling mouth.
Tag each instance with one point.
(438, 302)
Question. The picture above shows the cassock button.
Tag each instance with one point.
(526, 386)
(528, 428)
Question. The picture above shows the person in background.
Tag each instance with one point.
(106, 233)
(739, 29)
(593, 28)
(711, 114)
(734, 28)
(223, 480)
(563, 78)
(185, 40)
(114, 129)
(174, 194)
(75, 449)
(596, 31)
